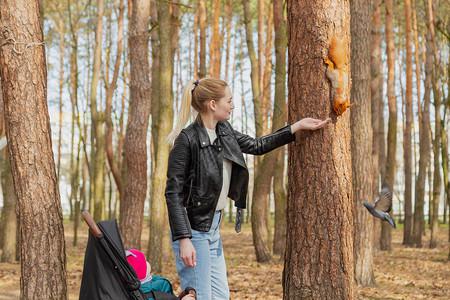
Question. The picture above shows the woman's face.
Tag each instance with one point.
(222, 108)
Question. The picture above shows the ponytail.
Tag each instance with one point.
(183, 113)
(196, 96)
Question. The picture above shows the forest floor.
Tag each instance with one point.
(403, 273)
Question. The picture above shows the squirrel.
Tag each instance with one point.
(337, 73)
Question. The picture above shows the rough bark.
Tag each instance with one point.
(319, 249)
(424, 146)
(280, 26)
(158, 207)
(386, 228)
(361, 142)
(24, 82)
(407, 151)
(135, 151)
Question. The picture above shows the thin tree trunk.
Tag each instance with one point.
(256, 91)
(437, 132)
(135, 152)
(61, 80)
(8, 225)
(202, 25)
(417, 60)
(214, 45)
(407, 134)
(261, 31)
(111, 87)
(229, 7)
(97, 136)
(377, 111)
(196, 19)
(9, 219)
(77, 199)
(42, 251)
(424, 146)
(280, 27)
(386, 228)
(158, 208)
(318, 258)
(361, 142)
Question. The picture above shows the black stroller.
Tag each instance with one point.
(106, 271)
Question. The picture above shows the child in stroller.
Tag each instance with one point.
(152, 283)
(107, 274)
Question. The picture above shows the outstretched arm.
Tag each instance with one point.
(309, 124)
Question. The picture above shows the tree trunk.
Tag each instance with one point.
(9, 219)
(424, 146)
(437, 132)
(97, 137)
(256, 91)
(158, 207)
(24, 82)
(61, 80)
(280, 26)
(361, 142)
(202, 25)
(111, 87)
(135, 151)
(215, 42)
(377, 111)
(386, 228)
(319, 249)
(8, 225)
(407, 154)
(267, 73)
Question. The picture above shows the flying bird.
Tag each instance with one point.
(382, 206)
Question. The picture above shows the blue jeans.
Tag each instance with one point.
(209, 276)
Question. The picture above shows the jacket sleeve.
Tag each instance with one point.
(264, 144)
(177, 172)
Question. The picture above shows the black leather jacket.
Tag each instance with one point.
(194, 175)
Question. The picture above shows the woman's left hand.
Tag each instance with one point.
(309, 124)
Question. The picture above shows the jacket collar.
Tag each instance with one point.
(203, 135)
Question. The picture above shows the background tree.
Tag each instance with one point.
(24, 87)
(378, 142)
(319, 250)
(407, 134)
(279, 112)
(97, 136)
(361, 141)
(424, 145)
(135, 151)
(385, 239)
(8, 223)
(158, 213)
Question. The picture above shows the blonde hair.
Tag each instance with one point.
(196, 94)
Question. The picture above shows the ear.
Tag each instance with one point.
(212, 105)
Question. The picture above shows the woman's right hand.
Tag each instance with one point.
(187, 252)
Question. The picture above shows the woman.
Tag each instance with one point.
(206, 164)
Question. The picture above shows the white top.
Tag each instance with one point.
(227, 166)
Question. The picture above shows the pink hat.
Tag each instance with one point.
(137, 260)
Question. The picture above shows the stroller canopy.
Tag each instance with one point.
(101, 279)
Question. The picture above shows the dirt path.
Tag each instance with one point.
(404, 273)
